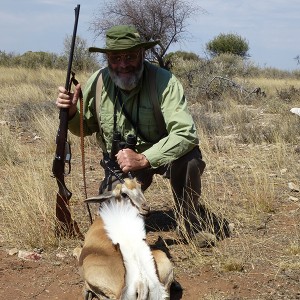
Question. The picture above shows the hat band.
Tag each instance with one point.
(120, 45)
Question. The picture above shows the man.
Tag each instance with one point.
(126, 106)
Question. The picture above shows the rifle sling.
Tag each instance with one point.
(83, 155)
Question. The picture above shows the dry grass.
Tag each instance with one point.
(27, 145)
(270, 86)
(249, 148)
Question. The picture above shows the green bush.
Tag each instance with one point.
(181, 54)
(83, 60)
(228, 43)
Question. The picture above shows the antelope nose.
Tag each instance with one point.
(145, 207)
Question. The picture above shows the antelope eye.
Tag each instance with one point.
(124, 195)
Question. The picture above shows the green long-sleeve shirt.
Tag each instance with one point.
(181, 137)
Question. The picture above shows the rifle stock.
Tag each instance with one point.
(66, 225)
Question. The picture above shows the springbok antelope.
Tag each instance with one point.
(115, 261)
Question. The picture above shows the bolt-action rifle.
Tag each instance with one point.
(66, 225)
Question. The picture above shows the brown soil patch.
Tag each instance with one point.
(259, 261)
(54, 277)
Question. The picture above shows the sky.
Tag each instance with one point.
(271, 27)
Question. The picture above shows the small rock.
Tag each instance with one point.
(36, 137)
(283, 171)
(293, 187)
(38, 250)
(204, 239)
(294, 199)
(231, 227)
(29, 255)
(13, 251)
(273, 175)
(295, 110)
(60, 255)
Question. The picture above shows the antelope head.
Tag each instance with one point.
(129, 189)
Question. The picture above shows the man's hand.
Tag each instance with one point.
(68, 100)
(129, 160)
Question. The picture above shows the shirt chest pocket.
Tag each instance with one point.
(107, 126)
(147, 124)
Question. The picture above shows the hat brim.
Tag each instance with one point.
(145, 45)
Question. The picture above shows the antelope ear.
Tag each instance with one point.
(100, 198)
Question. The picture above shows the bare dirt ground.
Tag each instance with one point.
(55, 275)
(254, 263)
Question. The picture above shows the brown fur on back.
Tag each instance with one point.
(101, 262)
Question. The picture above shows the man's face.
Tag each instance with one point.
(126, 68)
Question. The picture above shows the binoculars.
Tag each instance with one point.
(118, 144)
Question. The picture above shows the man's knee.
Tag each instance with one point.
(192, 161)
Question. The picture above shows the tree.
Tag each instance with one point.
(182, 54)
(228, 43)
(6, 59)
(82, 59)
(35, 60)
(164, 20)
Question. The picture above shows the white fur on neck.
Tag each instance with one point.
(126, 227)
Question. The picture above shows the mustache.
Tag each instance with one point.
(126, 69)
(129, 83)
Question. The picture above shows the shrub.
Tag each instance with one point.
(228, 43)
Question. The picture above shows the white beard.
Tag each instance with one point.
(126, 84)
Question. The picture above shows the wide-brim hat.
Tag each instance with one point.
(123, 37)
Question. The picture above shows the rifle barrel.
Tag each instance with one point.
(63, 155)
(67, 85)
